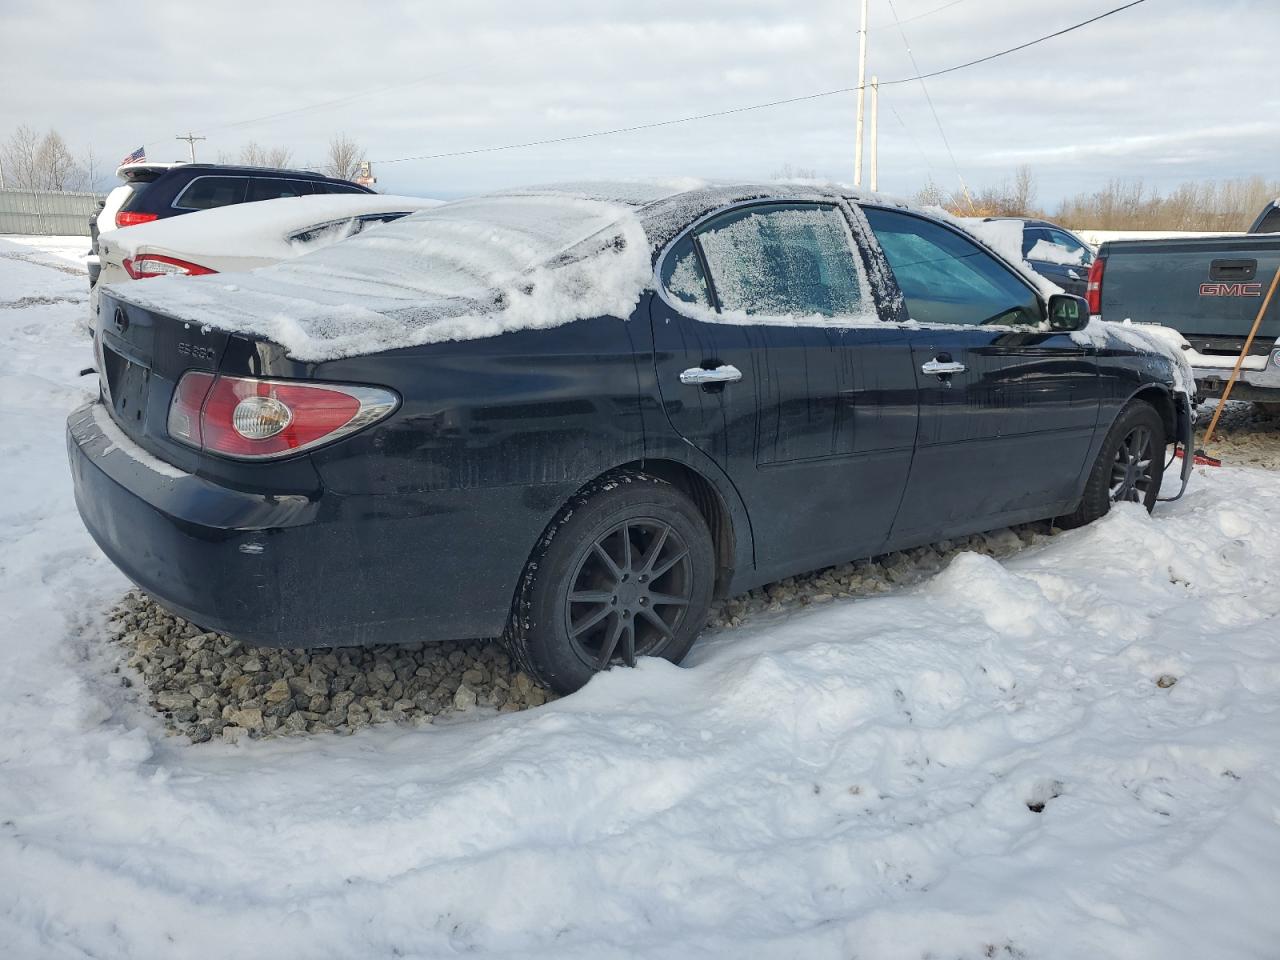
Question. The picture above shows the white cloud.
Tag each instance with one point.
(1163, 91)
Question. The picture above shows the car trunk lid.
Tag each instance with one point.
(141, 355)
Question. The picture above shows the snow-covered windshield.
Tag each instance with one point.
(465, 248)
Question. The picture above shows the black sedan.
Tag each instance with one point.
(573, 416)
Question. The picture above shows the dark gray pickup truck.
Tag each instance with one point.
(1209, 290)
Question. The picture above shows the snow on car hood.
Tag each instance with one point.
(472, 268)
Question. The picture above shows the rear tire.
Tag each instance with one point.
(1129, 466)
(626, 570)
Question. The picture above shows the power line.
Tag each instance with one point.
(920, 16)
(1021, 46)
(755, 106)
(932, 109)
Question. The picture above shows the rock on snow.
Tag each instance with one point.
(1071, 753)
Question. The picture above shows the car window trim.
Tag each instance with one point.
(675, 303)
(388, 216)
(963, 235)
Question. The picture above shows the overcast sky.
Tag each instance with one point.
(1169, 90)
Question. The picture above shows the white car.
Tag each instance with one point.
(241, 237)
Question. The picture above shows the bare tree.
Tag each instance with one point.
(788, 172)
(930, 195)
(254, 155)
(1023, 195)
(1016, 199)
(20, 159)
(1214, 205)
(57, 167)
(344, 158)
(32, 162)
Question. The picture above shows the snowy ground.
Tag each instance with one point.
(1073, 753)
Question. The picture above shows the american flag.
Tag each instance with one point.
(137, 156)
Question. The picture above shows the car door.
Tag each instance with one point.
(1008, 407)
(772, 360)
(1059, 257)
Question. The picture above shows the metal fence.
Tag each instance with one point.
(47, 213)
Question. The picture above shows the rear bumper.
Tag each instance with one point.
(1259, 373)
(277, 571)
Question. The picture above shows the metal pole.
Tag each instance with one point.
(875, 133)
(191, 143)
(862, 92)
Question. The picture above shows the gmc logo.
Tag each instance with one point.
(1230, 289)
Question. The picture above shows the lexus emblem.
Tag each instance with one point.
(121, 319)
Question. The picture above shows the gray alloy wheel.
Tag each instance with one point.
(629, 593)
(1132, 470)
(625, 571)
(1129, 466)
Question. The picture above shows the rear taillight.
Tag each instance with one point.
(126, 219)
(154, 265)
(251, 419)
(1093, 293)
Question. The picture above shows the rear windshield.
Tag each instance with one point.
(458, 249)
(131, 195)
(1271, 222)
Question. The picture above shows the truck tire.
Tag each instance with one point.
(1129, 466)
(626, 570)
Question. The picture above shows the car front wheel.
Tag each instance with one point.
(1129, 467)
(626, 571)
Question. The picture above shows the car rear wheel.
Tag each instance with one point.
(626, 571)
(1129, 467)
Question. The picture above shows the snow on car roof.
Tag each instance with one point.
(260, 229)
(517, 259)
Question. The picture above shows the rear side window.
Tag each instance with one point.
(204, 193)
(324, 187)
(1031, 236)
(945, 278)
(273, 188)
(682, 274)
(785, 260)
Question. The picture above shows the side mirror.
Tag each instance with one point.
(1067, 313)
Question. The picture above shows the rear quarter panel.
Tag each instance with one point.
(451, 492)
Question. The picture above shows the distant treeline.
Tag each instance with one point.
(1210, 205)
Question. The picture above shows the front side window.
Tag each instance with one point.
(205, 193)
(946, 278)
(785, 260)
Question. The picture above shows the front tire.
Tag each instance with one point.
(1129, 467)
(625, 571)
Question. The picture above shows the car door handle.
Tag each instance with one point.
(942, 368)
(701, 377)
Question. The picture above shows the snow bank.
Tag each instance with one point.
(1075, 753)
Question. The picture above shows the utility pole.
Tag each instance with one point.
(875, 133)
(862, 92)
(191, 143)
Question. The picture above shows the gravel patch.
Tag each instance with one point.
(1247, 437)
(207, 686)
